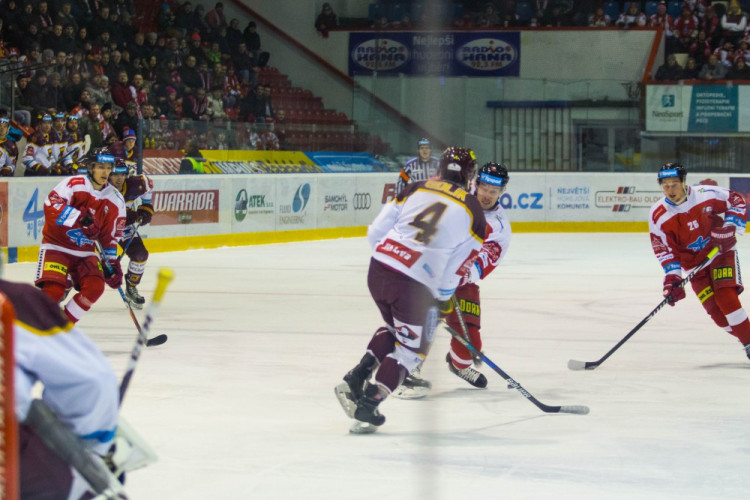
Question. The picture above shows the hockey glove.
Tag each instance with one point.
(673, 291)
(131, 217)
(723, 237)
(6, 172)
(145, 212)
(41, 170)
(445, 308)
(113, 273)
(89, 227)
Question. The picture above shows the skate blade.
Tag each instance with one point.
(362, 428)
(344, 397)
(135, 305)
(402, 392)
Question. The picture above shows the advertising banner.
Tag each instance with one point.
(346, 162)
(475, 53)
(697, 108)
(255, 204)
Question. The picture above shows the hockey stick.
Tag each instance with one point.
(130, 240)
(574, 364)
(157, 340)
(577, 409)
(164, 277)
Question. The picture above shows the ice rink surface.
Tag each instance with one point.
(239, 402)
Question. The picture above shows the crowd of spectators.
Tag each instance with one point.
(89, 59)
(698, 29)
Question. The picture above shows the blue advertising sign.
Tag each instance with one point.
(345, 162)
(714, 108)
(476, 53)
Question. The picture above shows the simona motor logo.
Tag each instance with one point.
(486, 54)
(380, 54)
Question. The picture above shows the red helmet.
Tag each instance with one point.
(458, 165)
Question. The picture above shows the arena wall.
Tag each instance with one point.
(194, 211)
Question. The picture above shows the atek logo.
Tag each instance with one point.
(667, 101)
(699, 244)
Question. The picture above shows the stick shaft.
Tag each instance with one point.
(590, 365)
(545, 408)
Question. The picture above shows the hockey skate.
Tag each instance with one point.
(350, 391)
(413, 386)
(367, 416)
(747, 350)
(135, 298)
(469, 374)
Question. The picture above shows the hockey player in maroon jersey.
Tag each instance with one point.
(685, 226)
(490, 185)
(422, 242)
(8, 150)
(80, 210)
(37, 158)
(58, 142)
(137, 190)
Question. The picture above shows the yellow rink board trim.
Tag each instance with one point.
(30, 254)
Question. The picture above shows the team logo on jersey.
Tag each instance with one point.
(699, 244)
(77, 237)
(487, 54)
(407, 332)
(380, 54)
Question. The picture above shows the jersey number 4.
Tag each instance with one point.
(427, 220)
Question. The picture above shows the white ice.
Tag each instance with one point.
(239, 403)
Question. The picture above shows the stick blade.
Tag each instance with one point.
(574, 364)
(575, 409)
(158, 340)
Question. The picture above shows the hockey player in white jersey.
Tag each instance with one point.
(490, 185)
(420, 168)
(422, 242)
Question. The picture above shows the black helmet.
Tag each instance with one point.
(424, 141)
(98, 155)
(672, 169)
(494, 174)
(458, 165)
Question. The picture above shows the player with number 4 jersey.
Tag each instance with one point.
(685, 226)
(423, 243)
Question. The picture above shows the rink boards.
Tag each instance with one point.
(194, 211)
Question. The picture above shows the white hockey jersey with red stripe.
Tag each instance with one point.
(432, 232)
(681, 234)
(495, 245)
(63, 207)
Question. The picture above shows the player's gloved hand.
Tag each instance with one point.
(145, 214)
(131, 217)
(445, 308)
(6, 172)
(89, 227)
(41, 170)
(672, 292)
(723, 237)
(113, 273)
